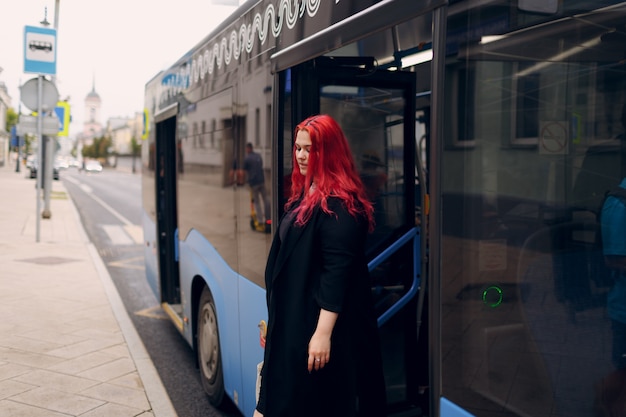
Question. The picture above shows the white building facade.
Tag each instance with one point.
(5, 136)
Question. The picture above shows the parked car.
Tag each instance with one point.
(93, 166)
(62, 163)
(34, 164)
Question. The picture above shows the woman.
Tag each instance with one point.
(322, 353)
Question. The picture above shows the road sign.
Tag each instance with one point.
(15, 139)
(28, 125)
(146, 124)
(40, 50)
(62, 111)
(29, 93)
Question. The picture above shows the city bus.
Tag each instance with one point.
(487, 133)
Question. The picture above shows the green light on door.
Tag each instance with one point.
(492, 296)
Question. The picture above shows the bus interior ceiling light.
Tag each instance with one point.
(418, 58)
(561, 56)
(490, 38)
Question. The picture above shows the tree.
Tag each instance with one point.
(99, 148)
(11, 119)
(135, 148)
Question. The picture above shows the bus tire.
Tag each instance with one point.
(209, 355)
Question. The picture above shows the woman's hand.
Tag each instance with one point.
(257, 414)
(319, 351)
(319, 345)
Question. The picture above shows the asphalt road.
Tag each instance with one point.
(109, 204)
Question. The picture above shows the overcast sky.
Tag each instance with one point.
(119, 44)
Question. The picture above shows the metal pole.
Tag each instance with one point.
(49, 156)
(17, 165)
(47, 177)
(39, 148)
(19, 111)
(57, 6)
(437, 115)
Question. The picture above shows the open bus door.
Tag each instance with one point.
(167, 223)
(376, 110)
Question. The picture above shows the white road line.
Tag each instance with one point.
(87, 189)
(111, 210)
(71, 179)
(117, 235)
(131, 232)
(135, 232)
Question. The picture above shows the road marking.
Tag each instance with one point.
(135, 232)
(131, 233)
(87, 189)
(111, 210)
(58, 195)
(117, 235)
(71, 179)
(129, 263)
(155, 312)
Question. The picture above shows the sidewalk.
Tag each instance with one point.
(67, 344)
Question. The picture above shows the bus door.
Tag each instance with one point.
(167, 224)
(376, 110)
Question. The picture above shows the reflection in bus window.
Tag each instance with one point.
(523, 277)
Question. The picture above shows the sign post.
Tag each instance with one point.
(40, 56)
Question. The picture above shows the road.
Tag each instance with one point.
(109, 205)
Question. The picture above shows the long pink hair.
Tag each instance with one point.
(333, 170)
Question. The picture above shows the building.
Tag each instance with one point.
(92, 128)
(121, 130)
(5, 104)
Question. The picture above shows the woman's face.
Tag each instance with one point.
(302, 150)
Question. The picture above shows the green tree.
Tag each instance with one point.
(135, 148)
(28, 143)
(11, 119)
(99, 148)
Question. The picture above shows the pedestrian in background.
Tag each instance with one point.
(322, 353)
(253, 165)
(610, 398)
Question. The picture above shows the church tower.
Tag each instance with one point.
(92, 126)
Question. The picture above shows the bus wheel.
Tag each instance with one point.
(209, 357)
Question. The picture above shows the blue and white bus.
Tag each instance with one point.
(488, 131)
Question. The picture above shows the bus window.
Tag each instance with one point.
(526, 327)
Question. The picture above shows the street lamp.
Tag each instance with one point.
(45, 22)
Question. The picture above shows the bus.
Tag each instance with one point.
(487, 133)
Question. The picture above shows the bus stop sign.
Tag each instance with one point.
(40, 50)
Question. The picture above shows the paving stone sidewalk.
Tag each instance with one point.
(67, 345)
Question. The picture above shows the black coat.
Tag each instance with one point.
(321, 265)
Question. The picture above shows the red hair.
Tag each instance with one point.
(333, 170)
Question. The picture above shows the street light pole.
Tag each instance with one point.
(39, 150)
(19, 112)
(49, 148)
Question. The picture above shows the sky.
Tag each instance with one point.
(115, 45)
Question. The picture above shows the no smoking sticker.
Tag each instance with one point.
(554, 138)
